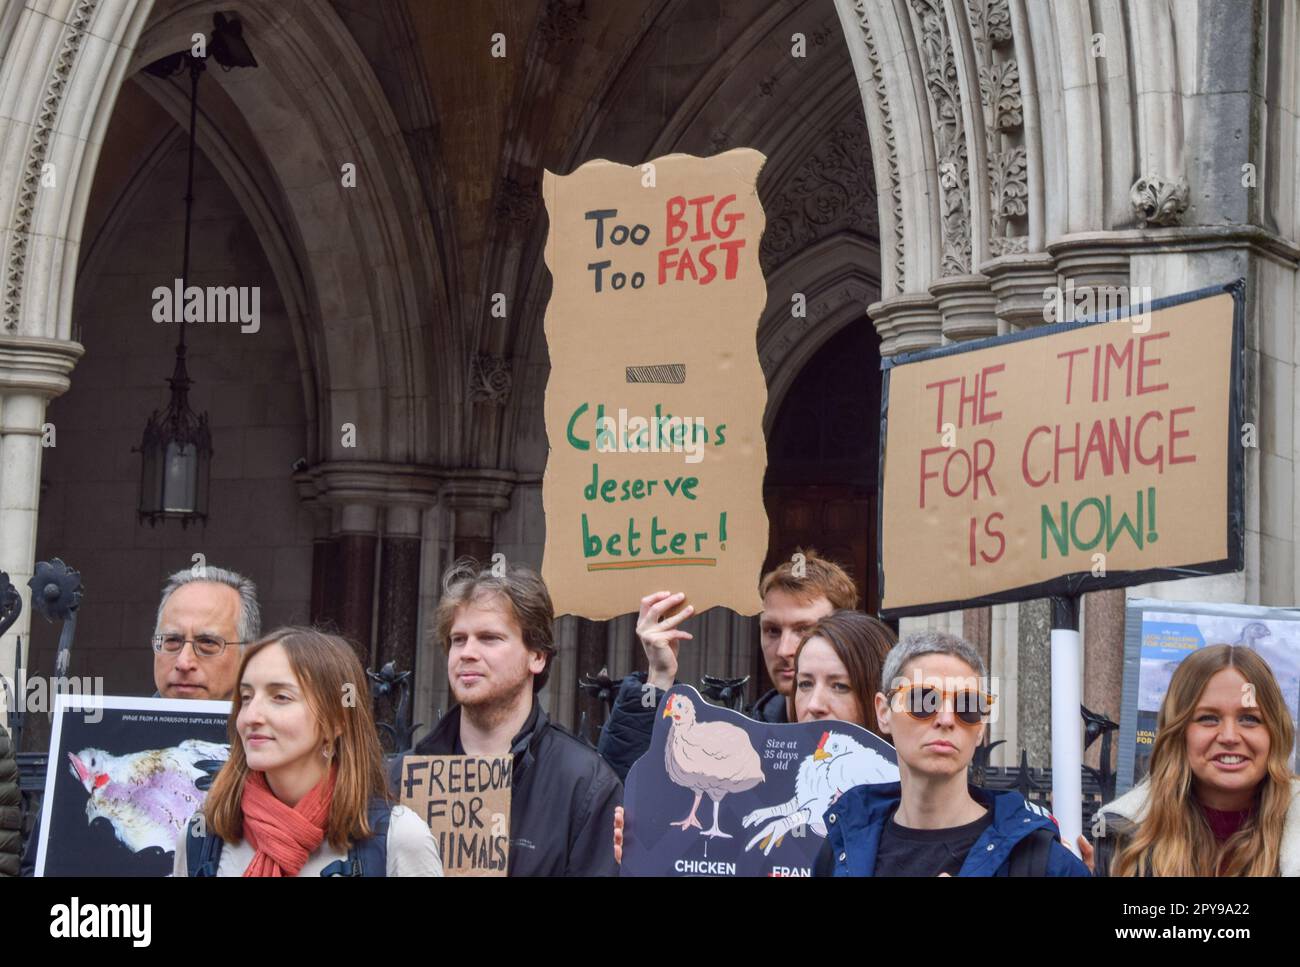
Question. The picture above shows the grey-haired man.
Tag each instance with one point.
(205, 617)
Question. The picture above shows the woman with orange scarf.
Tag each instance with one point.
(304, 786)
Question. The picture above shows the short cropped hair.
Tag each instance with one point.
(918, 644)
(249, 623)
(521, 587)
(812, 576)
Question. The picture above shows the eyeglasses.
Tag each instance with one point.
(923, 702)
(205, 646)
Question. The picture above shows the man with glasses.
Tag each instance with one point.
(932, 822)
(205, 617)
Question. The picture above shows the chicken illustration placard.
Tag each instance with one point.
(124, 777)
(719, 794)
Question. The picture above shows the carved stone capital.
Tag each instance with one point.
(477, 490)
(1018, 283)
(907, 323)
(1159, 201)
(966, 304)
(341, 483)
(37, 364)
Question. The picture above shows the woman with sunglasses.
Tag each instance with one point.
(931, 822)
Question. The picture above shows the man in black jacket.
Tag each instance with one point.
(795, 596)
(498, 632)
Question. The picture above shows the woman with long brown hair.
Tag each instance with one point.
(304, 791)
(837, 669)
(1220, 798)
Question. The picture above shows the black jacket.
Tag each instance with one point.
(626, 736)
(561, 802)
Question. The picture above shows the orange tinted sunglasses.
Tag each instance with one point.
(924, 701)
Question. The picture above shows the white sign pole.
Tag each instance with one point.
(1067, 722)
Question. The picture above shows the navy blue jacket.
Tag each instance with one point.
(626, 736)
(855, 821)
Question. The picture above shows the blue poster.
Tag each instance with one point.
(719, 794)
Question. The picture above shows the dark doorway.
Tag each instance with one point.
(822, 453)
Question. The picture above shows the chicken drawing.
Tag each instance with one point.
(838, 764)
(147, 796)
(707, 757)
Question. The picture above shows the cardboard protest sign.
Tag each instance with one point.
(465, 799)
(654, 405)
(124, 777)
(1065, 458)
(1158, 635)
(719, 794)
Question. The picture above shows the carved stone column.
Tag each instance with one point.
(398, 595)
(351, 497)
(32, 372)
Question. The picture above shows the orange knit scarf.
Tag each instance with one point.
(283, 836)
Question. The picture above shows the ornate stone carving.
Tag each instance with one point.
(832, 190)
(949, 136)
(999, 78)
(1159, 201)
(891, 146)
(489, 379)
(55, 88)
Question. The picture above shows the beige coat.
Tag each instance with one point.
(1123, 815)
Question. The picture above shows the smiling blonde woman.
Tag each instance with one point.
(1220, 798)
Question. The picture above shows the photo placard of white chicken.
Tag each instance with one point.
(708, 758)
(147, 796)
(837, 764)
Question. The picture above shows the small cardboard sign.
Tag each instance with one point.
(124, 777)
(465, 799)
(1065, 458)
(655, 399)
(719, 794)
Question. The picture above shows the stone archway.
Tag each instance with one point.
(360, 304)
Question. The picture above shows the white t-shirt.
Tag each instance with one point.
(412, 851)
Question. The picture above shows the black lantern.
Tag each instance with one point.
(176, 449)
(177, 457)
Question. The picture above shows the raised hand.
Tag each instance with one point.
(660, 636)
